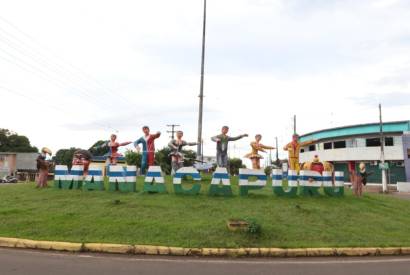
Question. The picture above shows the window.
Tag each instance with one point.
(302, 150)
(339, 144)
(372, 142)
(398, 163)
(327, 145)
(312, 148)
(375, 142)
(388, 141)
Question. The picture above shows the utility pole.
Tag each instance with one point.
(382, 161)
(172, 129)
(294, 124)
(202, 149)
(277, 150)
(201, 88)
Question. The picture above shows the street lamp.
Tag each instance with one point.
(201, 88)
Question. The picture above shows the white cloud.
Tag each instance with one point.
(266, 61)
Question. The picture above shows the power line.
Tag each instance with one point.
(16, 60)
(77, 72)
(51, 75)
(41, 100)
(172, 129)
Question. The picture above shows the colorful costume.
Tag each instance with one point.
(317, 166)
(222, 148)
(148, 150)
(254, 155)
(294, 150)
(114, 150)
(176, 154)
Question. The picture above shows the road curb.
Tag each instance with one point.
(45, 245)
(215, 252)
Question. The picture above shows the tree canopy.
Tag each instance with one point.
(12, 142)
(99, 148)
(234, 165)
(65, 156)
(162, 158)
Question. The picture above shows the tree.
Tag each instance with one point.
(234, 165)
(12, 142)
(133, 158)
(99, 148)
(163, 159)
(65, 156)
(189, 157)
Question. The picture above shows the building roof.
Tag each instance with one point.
(358, 130)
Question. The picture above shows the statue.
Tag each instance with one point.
(222, 146)
(318, 166)
(82, 157)
(114, 145)
(294, 150)
(177, 157)
(42, 166)
(360, 179)
(256, 147)
(148, 148)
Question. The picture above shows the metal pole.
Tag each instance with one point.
(384, 179)
(202, 147)
(201, 89)
(277, 150)
(294, 124)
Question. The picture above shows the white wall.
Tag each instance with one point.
(355, 153)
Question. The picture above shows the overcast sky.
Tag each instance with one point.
(85, 69)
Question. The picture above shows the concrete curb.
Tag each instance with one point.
(216, 252)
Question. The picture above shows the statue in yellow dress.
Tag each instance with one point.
(256, 147)
(293, 149)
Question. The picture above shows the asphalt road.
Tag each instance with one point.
(14, 261)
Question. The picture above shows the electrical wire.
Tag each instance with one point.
(78, 71)
(42, 100)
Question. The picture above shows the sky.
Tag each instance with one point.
(73, 72)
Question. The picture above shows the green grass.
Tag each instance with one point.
(200, 221)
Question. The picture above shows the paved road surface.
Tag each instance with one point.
(14, 261)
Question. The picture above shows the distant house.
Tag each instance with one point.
(361, 143)
(11, 163)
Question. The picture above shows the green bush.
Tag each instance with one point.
(133, 158)
(254, 228)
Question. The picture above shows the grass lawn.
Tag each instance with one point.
(200, 221)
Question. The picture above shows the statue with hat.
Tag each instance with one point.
(43, 166)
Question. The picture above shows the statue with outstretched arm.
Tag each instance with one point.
(114, 145)
(176, 146)
(293, 149)
(148, 148)
(222, 141)
(257, 147)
